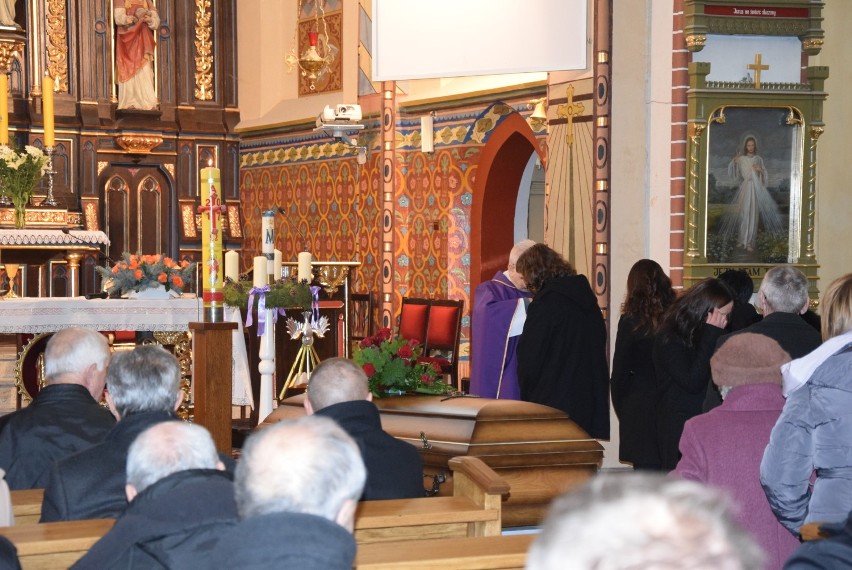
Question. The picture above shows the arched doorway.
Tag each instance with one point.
(501, 169)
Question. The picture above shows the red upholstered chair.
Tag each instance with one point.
(413, 319)
(442, 337)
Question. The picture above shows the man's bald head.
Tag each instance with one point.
(517, 250)
(337, 380)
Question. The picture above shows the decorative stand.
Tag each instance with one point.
(267, 365)
(306, 358)
(49, 199)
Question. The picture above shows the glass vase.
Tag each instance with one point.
(20, 215)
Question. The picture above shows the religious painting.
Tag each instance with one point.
(754, 181)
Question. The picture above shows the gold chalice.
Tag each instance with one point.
(11, 273)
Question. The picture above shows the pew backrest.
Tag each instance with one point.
(468, 553)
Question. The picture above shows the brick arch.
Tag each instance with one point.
(503, 160)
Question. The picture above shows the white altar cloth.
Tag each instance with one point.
(37, 237)
(49, 314)
(35, 315)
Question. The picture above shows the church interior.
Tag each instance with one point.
(421, 193)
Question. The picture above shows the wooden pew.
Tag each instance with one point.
(474, 509)
(48, 546)
(26, 505)
(471, 553)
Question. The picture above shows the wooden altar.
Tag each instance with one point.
(538, 450)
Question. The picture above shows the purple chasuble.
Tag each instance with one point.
(494, 366)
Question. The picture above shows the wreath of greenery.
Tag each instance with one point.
(283, 294)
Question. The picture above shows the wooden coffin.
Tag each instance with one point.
(538, 450)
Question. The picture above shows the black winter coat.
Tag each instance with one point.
(634, 394)
(61, 420)
(394, 468)
(168, 523)
(562, 354)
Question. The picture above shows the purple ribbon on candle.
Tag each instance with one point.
(315, 289)
(261, 308)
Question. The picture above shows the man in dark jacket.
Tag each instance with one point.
(339, 390)
(179, 497)
(65, 416)
(783, 299)
(297, 487)
(143, 390)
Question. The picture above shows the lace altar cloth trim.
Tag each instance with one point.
(50, 314)
(52, 237)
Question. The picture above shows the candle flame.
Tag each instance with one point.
(210, 162)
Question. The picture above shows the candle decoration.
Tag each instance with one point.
(267, 227)
(47, 110)
(232, 265)
(211, 245)
(4, 108)
(305, 273)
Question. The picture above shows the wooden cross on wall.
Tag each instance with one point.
(757, 67)
(570, 110)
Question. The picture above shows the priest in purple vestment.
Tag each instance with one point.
(499, 312)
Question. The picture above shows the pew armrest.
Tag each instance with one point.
(479, 474)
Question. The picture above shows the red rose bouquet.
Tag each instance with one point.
(391, 366)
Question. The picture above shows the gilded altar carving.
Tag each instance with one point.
(9, 50)
(140, 144)
(203, 51)
(57, 43)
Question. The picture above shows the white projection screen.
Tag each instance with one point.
(420, 39)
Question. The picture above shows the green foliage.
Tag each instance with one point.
(283, 294)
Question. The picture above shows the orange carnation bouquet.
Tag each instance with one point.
(138, 272)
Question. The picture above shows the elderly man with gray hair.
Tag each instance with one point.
(642, 520)
(180, 498)
(339, 390)
(143, 389)
(783, 299)
(65, 416)
(297, 485)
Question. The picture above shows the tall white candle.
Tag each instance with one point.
(260, 276)
(232, 265)
(268, 240)
(305, 266)
(276, 264)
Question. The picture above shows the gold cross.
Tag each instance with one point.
(568, 111)
(757, 67)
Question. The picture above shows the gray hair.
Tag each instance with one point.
(72, 350)
(635, 520)
(166, 448)
(337, 380)
(308, 465)
(145, 379)
(785, 289)
(518, 249)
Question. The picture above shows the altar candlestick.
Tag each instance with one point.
(305, 267)
(47, 110)
(4, 108)
(211, 244)
(268, 240)
(260, 279)
(232, 265)
(276, 264)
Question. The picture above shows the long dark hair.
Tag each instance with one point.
(685, 317)
(649, 294)
(539, 264)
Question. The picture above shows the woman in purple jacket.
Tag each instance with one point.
(723, 447)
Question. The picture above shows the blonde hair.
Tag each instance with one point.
(837, 307)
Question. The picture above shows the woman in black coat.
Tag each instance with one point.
(562, 350)
(633, 383)
(682, 354)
